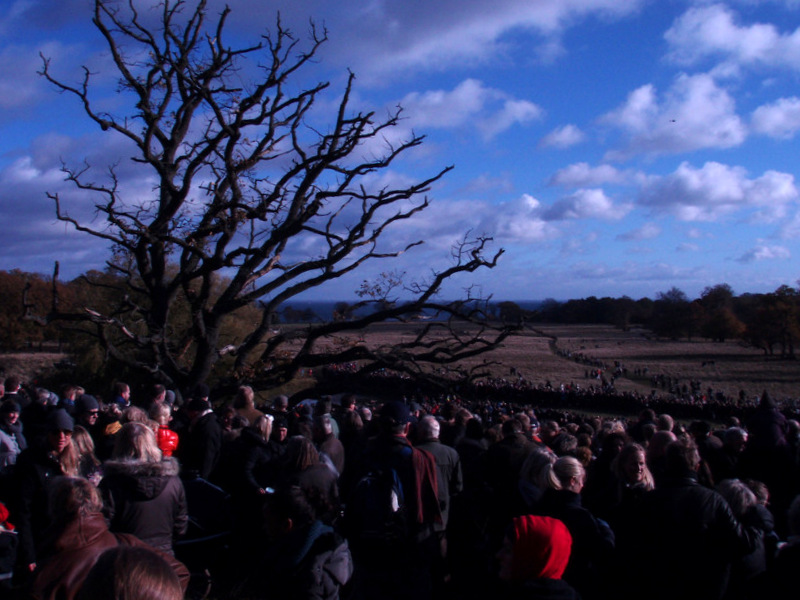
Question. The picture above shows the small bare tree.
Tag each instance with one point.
(242, 179)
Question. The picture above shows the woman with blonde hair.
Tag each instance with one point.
(89, 466)
(593, 540)
(142, 492)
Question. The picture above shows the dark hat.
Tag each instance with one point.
(198, 404)
(201, 390)
(281, 401)
(9, 406)
(86, 403)
(395, 412)
(169, 397)
(59, 420)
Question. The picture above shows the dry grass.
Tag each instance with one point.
(531, 353)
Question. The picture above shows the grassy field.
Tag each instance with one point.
(725, 367)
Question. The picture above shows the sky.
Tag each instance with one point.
(609, 147)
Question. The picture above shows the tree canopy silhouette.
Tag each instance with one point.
(252, 206)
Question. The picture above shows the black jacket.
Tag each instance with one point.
(145, 499)
(686, 538)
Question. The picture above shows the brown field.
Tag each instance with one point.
(729, 366)
(734, 367)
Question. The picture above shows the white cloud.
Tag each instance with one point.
(583, 175)
(717, 190)
(648, 231)
(586, 204)
(762, 252)
(694, 113)
(781, 119)
(563, 137)
(491, 110)
(714, 32)
(520, 221)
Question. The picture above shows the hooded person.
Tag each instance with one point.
(533, 558)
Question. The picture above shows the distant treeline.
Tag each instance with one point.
(769, 321)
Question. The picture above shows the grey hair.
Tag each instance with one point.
(429, 428)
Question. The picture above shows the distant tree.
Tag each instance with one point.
(719, 320)
(773, 320)
(244, 184)
(671, 315)
(510, 312)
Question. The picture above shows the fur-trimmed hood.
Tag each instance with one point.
(144, 480)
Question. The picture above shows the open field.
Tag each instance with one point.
(725, 367)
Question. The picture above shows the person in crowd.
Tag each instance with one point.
(131, 573)
(746, 570)
(724, 461)
(245, 405)
(80, 537)
(121, 394)
(142, 492)
(780, 582)
(327, 443)
(593, 540)
(14, 391)
(630, 480)
(157, 395)
(89, 466)
(166, 439)
(533, 558)
(302, 558)
(389, 566)
(450, 482)
(8, 552)
(200, 451)
(12, 440)
(303, 467)
(35, 470)
(685, 535)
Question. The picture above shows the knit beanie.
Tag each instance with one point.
(541, 548)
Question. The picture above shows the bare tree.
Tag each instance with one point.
(242, 178)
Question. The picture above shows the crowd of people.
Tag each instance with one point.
(417, 496)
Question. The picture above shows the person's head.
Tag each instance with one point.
(157, 393)
(535, 468)
(245, 397)
(301, 453)
(658, 444)
(665, 422)
(429, 428)
(286, 510)
(83, 441)
(122, 390)
(395, 418)
(161, 413)
(131, 573)
(280, 404)
(12, 384)
(682, 458)
(534, 547)
(136, 441)
(735, 439)
(348, 401)
(280, 429)
(323, 427)
(548, 430)
(87, 409)
(740, 497)
(9, 412)
(134, 414)
(510, 427)
(630, 467)
(59, 427)
(323, 406)
(74, 497)
(567, 473)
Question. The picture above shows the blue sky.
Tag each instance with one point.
(611, 147)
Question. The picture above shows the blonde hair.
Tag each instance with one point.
(136, 441)
(161, 413)
(263, 426)
(562, 471)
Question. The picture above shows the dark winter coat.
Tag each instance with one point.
(35, 470)
(200, 450)
(311, 563)
(145, 499)
(74, 552)
(686, 538)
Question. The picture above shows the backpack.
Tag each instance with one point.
(376, 515)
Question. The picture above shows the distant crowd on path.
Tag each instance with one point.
(418, 497)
